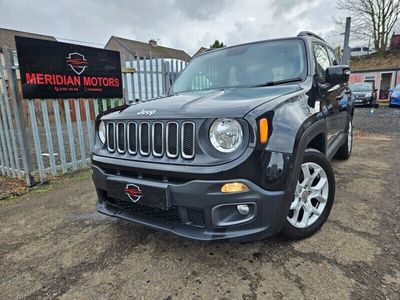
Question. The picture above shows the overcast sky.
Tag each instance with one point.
(182, 24)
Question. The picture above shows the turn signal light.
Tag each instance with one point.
(234, 187)
(263, 125)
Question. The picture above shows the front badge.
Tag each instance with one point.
(133, 192)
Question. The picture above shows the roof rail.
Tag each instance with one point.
(309, 33)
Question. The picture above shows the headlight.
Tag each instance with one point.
(226, 135)
(102, 132)
(368, 95)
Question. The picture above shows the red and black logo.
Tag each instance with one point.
(77, 62)
(133, 192)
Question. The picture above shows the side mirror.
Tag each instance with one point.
(375, 90)
(338, 74)
(390, 91)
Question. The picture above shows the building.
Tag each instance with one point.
(7, 37)
(130, 48)
(7, 40)
(201, 50)
(381, 68)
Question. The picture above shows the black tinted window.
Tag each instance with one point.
(332, 56)
(321, 61)
(245, 65)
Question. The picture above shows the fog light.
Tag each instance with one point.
(234, 187)
(243, 209)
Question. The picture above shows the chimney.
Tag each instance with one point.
(395, 41)
(153, 43)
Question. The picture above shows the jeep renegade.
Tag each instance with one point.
(239, 149)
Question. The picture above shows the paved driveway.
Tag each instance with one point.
(53, 244)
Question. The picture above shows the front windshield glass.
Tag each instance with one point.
(362, 87)
(246, 65)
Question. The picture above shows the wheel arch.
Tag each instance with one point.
(314, 136)
(315, 133)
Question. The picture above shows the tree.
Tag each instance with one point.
(371, 19)
(217, 44)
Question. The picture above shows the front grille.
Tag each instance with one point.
(152, 138)
(171, 214)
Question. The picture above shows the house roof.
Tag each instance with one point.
(141, 49)
(376, 61)
(201, 50)
(7, 37)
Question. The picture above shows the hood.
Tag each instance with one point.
(210, 104)
(361, 94)
(396, 93)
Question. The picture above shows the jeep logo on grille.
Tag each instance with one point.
(133, 192)
(146, 112)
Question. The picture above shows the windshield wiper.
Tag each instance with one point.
(271, 83)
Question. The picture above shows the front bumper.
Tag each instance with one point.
(363, 101)
(197, 209)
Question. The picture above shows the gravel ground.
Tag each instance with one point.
(383, 120)
(54, 244)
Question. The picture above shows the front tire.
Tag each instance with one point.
(313, 197)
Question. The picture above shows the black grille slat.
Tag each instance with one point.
(132, 138)
(121, 137)
(144, 138)
(111, 137)
(172, 139)
(188, 131)
(157, 138)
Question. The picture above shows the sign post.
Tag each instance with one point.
(346, 47)
(17, 106)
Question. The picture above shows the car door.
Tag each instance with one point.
(328, 93)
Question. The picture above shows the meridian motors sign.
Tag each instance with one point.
(51, 70)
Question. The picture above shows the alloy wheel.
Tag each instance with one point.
(311, 196)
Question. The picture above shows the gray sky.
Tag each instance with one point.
(183, 24)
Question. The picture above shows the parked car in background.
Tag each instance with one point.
(394, 96)
(364, 93)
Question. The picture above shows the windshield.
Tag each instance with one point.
(246, 65)
(397, 88)
(362, 87)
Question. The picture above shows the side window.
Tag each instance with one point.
(321, 61)
(333, 57)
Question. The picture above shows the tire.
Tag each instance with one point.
(300, 228)
(344, 152)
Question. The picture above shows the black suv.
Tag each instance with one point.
(239, 149)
